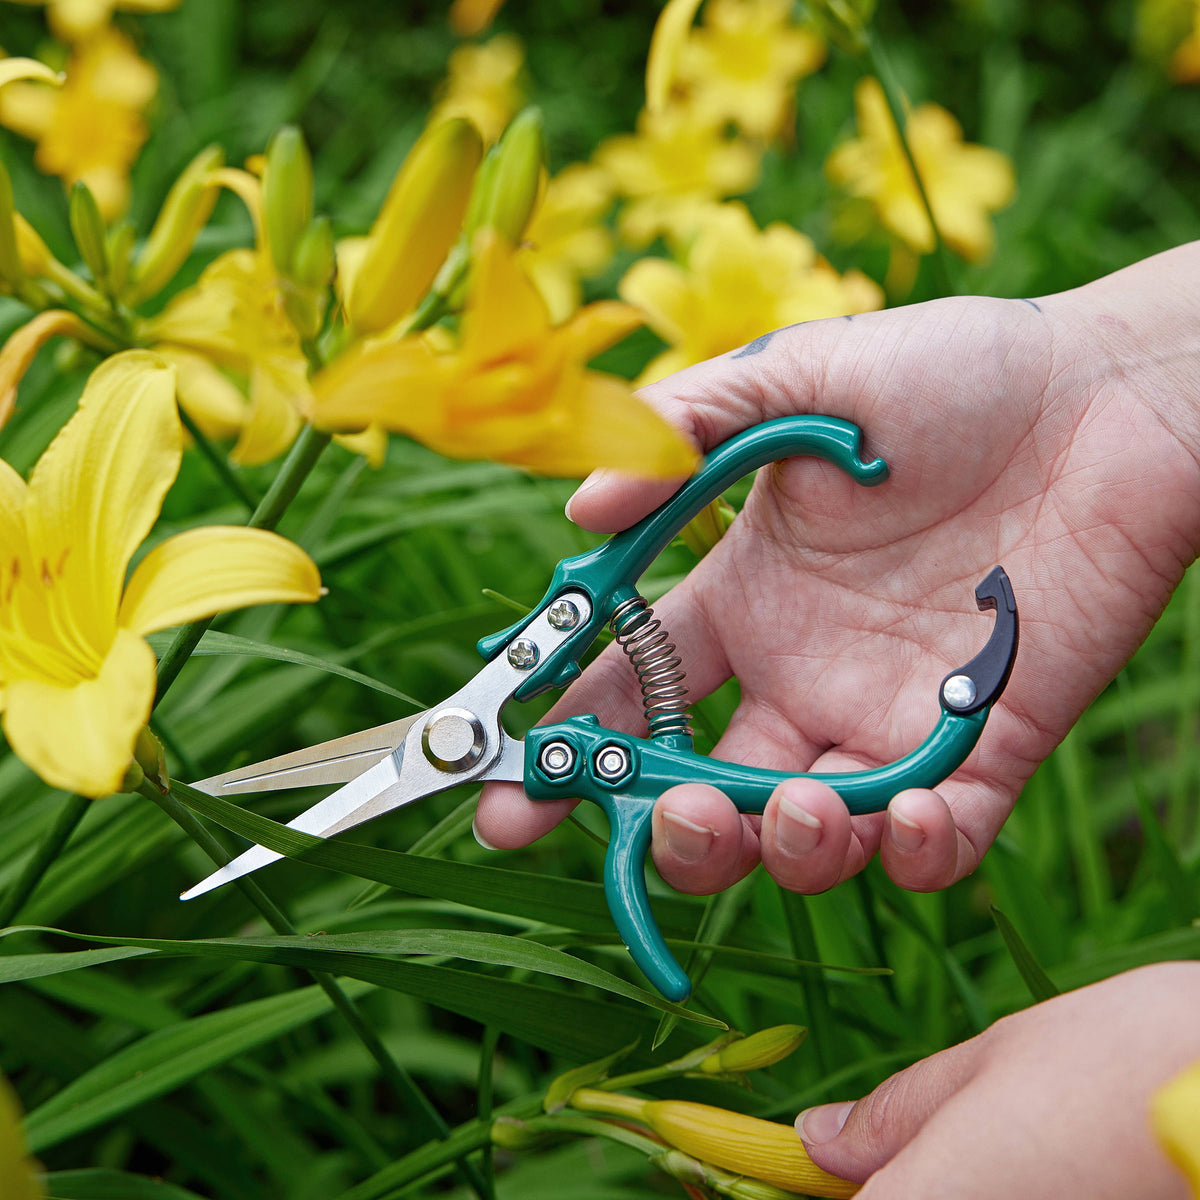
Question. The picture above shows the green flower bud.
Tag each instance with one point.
(88, 229)
(148, 756)
(184, 213)
(512, 1134)
(287, 195)
(11, 270)
(119, 244)
(761, 1049)
(313, 262)
(843, 22)
(514, 182)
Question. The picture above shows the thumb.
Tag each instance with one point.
(854, 1139)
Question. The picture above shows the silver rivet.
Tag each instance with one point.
(959, 691)
(562, 614)
(453, 739)
(612, 763)
(523, 654)
(556, 759)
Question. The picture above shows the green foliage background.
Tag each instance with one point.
(227, 1076)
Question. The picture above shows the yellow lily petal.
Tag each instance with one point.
(598, 326)
(210, 397)
(27, 68)
(469, 17)
(660, 289)
(21, 348)
(1175, 1115)
(505, 314)
(81, 738)
(372, 444)
(97, 491)
(274, 421)
(666, 45)
(206, 571)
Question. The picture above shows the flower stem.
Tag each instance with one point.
(411, 1096)
(881, 67)
(47, 851)
(589, 1126)
(295, 470)
(218, 461)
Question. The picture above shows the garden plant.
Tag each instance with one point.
(312, 317)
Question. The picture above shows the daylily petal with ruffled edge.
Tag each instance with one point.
(205, 571)
(81, 738)
(12, 69)
(97, 491)
(22, 347)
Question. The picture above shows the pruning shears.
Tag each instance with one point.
(462, 740)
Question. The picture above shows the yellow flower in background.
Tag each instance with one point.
(1175, 1115)
(74, 20)
(743, 62)
(965, 183)
(483, 84)
(1167, 32)
(738, 282)
(565, 241)
(18, 1172)
(90, 129)
(469, 17)
(77, 677)
(515, 389)
(671, 170)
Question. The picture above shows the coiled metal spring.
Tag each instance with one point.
(659, 668)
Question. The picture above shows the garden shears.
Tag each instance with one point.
(462, 740)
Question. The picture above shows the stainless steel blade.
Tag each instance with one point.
(337, 761)
(329, 816)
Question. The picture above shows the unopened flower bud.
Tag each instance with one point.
(512, 1134)
(418, 223)
(509, 189)
(760, 1049)
(89, 231)
(36, 258)
(843, 22)
(149, 757)
(184, 213)
(707, 527)
(287, 195)
(313, 261)
(119, 249)
(11, 270)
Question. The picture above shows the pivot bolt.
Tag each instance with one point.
(453, 739)
(612, 763)
(523, 654)
(557, 760)
(563, 615)
(959, 691)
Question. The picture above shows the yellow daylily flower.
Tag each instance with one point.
(965, 183)
(666, 46)
(469, 17)
(738, 282)
(515, 390)
(1168, 33)
(482, 84)
(743, 62)
(673, 168)
(91, 128)
(24, 343)
(565, 241)
(18, 1172)
(77, 677)
(74, 20)
(1175, 1115)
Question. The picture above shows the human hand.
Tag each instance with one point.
(1050, 1103)
(1056, 438)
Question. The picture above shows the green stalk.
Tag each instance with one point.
(218, 461)
(881, 68)
(411, 1096)
(47, 851)
(300, 461)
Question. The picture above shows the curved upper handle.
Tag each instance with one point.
(608, 574)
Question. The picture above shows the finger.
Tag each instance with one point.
(922, 848)
(506, 818)
(855, 1138)
(700, 842)
(806, 837)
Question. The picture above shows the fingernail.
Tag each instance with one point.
(824, 1123)
(685, 839)
(481, 839)
(906, 833)
(796, 830)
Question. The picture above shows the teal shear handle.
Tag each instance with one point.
(625, 775)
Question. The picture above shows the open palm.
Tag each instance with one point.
(1017, 433)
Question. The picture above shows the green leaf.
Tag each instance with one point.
(214, 643)
(1040, 985)
(100, 1184)
(561, 1089)
(33, 966)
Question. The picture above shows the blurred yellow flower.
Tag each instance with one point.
(515, 389)
(666, 45)
(743, 62)
(74, 20)
(77, 678)
(91, 128)
(566, 241)
(18, 1172)
(1175, 1115)
(965, 183)
(738, 282)
(1168, 33)
(469, 17)
(671, 169)
(482, 84)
